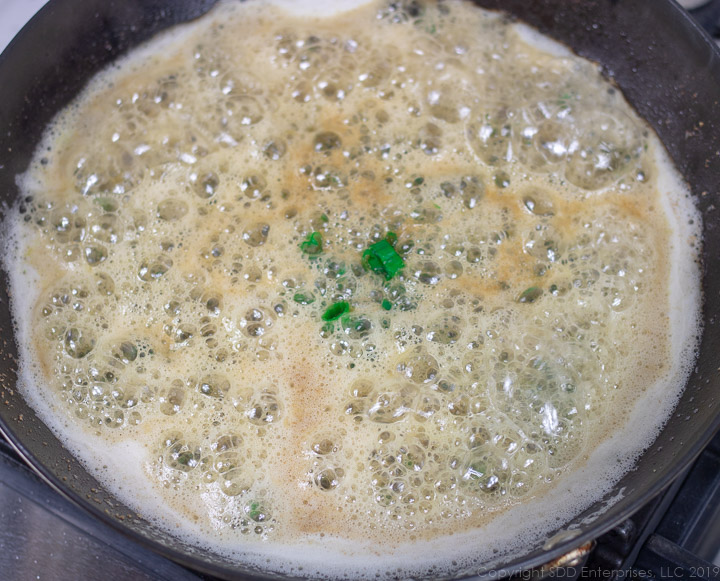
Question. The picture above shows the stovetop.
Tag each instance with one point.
(43, 536)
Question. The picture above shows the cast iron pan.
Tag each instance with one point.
(666, 66)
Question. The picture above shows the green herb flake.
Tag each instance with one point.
(386, 304)
(335, 269)
(255, 512)
(335, 311)
(382, 259)
(324, 218)
(530, 295)
(304, 299)
(186, 459)
(355, 326)
(107, 204)
(563, 100)
(312, 245)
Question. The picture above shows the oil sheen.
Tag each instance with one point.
(198, 217)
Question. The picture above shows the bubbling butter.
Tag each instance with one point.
(194, 214)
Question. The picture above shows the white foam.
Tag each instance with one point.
(542, 42)
(318, 8)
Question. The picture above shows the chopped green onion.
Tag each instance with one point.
(256, 512)
(312, 244)
(382, 259)
(530, 295)
(354, 326)
(107, 204)
(334, 269)
(324, 218)
(335, 311)
(303, 299)
(386, 304)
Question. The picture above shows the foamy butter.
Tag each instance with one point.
(393, 281)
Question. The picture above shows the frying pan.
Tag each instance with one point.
(669, 71)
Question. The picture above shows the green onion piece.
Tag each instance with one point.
(303, 299)
(186, 459)
(386, 304)
(382, 259)
(334, 269)
(312, 245)
(255, 511)
(335, 311)
(324, 218)
(530, 295)
(107, 204)
(355, 326)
